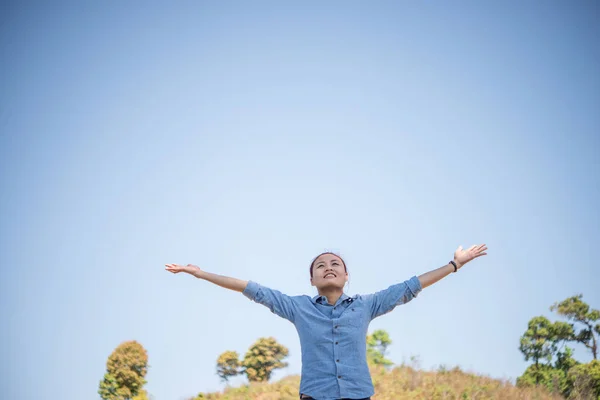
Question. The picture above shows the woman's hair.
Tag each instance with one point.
(327, 252)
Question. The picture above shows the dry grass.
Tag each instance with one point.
(404, 383)
(400, 383)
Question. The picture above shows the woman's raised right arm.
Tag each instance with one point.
(276, 301)
(223, 281)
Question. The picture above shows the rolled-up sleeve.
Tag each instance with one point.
(279, 303)
(384, 301)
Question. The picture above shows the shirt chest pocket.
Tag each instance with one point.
(354, 316)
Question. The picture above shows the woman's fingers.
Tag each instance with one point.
(478, 248)
(174, 268)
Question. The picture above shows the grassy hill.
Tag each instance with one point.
(400, 383)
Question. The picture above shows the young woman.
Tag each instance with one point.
(333, 326)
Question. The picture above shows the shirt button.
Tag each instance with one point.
(339, 377)
(337, 326)
(353, 309)
(338, 360)
(336, 342)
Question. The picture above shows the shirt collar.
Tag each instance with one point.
(323, 300)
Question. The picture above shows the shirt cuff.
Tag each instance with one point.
(251, 290)
(414, 284)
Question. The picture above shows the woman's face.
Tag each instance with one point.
(328, 271)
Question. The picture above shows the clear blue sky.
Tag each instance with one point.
(248, 138)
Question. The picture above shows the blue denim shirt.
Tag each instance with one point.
(333, 337)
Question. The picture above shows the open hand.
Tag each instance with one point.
(461, 257)
(176, 268)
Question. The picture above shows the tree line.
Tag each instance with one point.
(544, 343)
